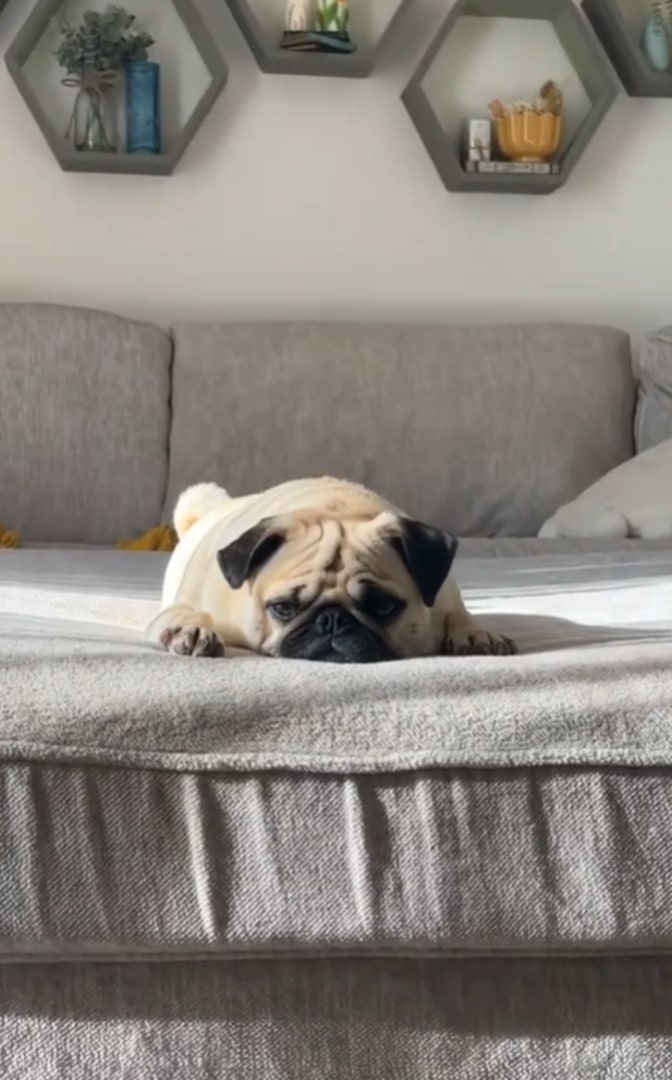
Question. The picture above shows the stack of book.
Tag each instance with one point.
(517, 167)
(316, 41)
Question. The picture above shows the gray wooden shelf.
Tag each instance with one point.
(586, 57)
(70, 159)
(264, 44)
(620, 42)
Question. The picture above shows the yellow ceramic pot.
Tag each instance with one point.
(528, 136)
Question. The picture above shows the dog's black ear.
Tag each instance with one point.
(240, 559)
(428, 554)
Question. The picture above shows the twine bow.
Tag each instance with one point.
(94, 80)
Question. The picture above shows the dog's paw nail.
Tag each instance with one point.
(192, 641)
(479, 643)
(207, 643)
(185, 641)
(195, 642)
(507, 647)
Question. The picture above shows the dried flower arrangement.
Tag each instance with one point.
(549, 100)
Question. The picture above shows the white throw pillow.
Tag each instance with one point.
(634, 499)
(653, 418)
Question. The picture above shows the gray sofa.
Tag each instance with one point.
(251, 869)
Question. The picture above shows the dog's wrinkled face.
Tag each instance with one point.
(314, 587)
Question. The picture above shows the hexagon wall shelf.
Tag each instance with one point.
(200, 65)
(619, 27)
(570, 35)
(261, 23)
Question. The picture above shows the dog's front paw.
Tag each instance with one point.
(468, 639)
(192, 641)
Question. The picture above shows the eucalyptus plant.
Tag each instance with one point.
(103, 41)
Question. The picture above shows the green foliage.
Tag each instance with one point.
(104, 41)
(333, 16)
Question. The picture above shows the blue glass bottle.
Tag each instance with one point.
(143, 107)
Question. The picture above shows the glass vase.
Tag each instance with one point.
(143, 107)
(93, 125)
(656, 42)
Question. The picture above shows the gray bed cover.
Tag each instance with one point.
(157, 805)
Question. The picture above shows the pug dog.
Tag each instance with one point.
(314, 569)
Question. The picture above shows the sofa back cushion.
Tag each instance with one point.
(84, 419)
(482, 430)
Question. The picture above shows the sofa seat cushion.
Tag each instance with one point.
(158, 806)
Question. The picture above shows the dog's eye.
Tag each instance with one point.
(382, 606)
(284, 610)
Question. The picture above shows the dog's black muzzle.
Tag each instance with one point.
(335, 635)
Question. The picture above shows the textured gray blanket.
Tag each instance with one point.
(593, 683)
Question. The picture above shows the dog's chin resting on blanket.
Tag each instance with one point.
(315, 569)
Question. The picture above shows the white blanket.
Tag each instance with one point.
(593, 681)
(547, 601)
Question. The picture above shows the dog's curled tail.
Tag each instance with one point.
(194, 503)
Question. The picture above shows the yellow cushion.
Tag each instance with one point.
(160, 538)
(8, 539)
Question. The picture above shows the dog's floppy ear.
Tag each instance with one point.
(428, 555)
(241, 558)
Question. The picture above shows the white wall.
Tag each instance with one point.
(315, 197)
